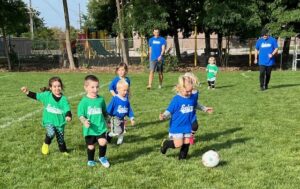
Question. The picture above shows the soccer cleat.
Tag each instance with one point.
(159, 86)
(208, 87)
(45, 149)
(104, 162)
(120, 139)
(163, 148)
(192, 139)
(91, 163)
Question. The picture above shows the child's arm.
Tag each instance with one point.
(131, 115)
(84, 121)
(28, 93)
(165, 115)
(112, 92)
(204, 108)
(68, 116)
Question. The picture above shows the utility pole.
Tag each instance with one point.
(31, 20)
(79, 17)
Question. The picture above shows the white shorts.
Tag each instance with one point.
(179, 135)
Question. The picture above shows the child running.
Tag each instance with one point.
(121, 71)
(212, 71)
(92, 112)
(118, 108)
(195, 94)
(181, 111)
(56, 112)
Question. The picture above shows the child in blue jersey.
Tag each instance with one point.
(181, 110)
(56, 112)
(195, 95)
(121, 71)
(118, 108)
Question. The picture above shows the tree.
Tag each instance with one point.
(231, 18)
(68, 44)
(13, 20)
(285, 22)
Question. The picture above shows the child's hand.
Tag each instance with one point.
(24, 90)
(68, 118)
(87, 123)
(161, 116)
(132, 122)
(209, 110)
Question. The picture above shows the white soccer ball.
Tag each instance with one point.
(210, 158)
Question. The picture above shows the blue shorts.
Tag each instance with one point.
(156, 66)
(179, 135)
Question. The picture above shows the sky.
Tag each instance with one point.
(53, 13)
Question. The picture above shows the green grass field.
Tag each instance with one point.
(256, 133)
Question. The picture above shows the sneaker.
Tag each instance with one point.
(91, 163)
(163, 148)
(104, 162)
(192, 140)
(120, 139)
(159, 86)
(208, 87)
(45, 149)
(148, 87)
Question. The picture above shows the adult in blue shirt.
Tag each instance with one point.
(266, 48)
(157, 46)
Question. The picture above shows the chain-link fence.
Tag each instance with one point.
(104, 52)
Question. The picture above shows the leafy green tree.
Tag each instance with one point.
(14, 20)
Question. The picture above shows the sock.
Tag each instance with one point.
(62, 147)
(91, 154)
(184, 151)
(169, 144)
(102, 151)
(48, 140)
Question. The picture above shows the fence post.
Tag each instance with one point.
(195, 54)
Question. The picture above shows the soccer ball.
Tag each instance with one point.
(210, 158)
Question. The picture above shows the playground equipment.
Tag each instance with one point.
(296, 55)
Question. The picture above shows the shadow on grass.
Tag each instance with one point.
(132, 154)
(284, 85)
(145, 124)
(223, 86)
(219, 146)
(210, 136)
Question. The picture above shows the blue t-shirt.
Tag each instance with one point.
(266, 47)
(182, 112)
(156, 46)
(119, 107)
(113, 84)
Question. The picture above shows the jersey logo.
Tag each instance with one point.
(53, 110)
(156, 42)
(186, 109)
(94, 110)
(122, 110)
(265, 45)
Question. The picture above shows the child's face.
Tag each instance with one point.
(121, 72)
(211, 61)
(187, 91)
(91, 88)
(122, 90)
(56, 88)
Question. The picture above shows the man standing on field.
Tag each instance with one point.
(266, 47)
(157, 46)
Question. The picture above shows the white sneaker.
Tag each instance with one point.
(159, 86)
(120, 139)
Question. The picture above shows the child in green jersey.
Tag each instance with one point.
(92, 112)
(55, 114)
(212, 71)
